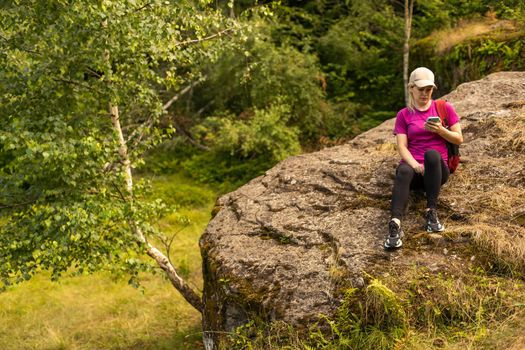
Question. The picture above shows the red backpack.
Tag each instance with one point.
(453, 150)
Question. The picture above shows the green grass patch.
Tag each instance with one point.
(101, 311)
(176, 190)
(96, 312)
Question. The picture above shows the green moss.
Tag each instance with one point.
(426, 312)
(383, 307)
(247, 296)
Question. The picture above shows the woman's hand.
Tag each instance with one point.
(453, 135)
(434, 127)
(402, 148)
(419, 169)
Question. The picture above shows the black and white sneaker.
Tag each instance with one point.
(395, 233)
(433, 224)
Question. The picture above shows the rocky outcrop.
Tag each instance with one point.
(286, 244)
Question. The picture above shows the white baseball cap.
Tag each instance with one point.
(422, 77)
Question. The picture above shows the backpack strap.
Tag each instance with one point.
(442, 111)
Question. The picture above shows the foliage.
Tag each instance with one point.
(361, 54)
(474, 57)
(335, 65)
(379, 317)
(243, 149)
(62, 64)
(369, 319)
(264, 134)
(256, 335)
(470, 8)
(166, 157)
(223, 171)
(257, 74)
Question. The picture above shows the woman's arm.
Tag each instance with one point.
(402, 148)
(453, 135)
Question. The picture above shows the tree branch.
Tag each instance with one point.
(16, 205)
(180, 93)
(187, 292)
(119, 191)
(202, 109)
(148, 4)
(140, 130)
(145, 126)
(187, 136)
(169, 242)
(72, 82)
(213, 36)
(94, 72)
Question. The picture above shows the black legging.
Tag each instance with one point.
(436, 174)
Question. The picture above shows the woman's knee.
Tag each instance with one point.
(404, 171)
(432, 157)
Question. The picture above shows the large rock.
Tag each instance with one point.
(283, 246)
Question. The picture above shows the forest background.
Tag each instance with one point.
(280, 79)
(318, 73)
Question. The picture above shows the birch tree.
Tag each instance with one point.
(83, 86)
(409, 10)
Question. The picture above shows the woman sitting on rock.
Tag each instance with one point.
(422, 146)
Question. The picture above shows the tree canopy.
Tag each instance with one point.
(85, 86)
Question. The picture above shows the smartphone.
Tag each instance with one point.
(434, 119)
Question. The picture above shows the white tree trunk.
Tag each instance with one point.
(409, 9)
(178, 282)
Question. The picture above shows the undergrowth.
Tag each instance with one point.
(219, 170)
(431, 311)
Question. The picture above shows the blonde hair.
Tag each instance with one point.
(411, 105)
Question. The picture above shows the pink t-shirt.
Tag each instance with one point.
(420, 140)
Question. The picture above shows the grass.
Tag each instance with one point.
(493, 200)
(96, 312)
(99, 312)
(448, 38)
(468, 312)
